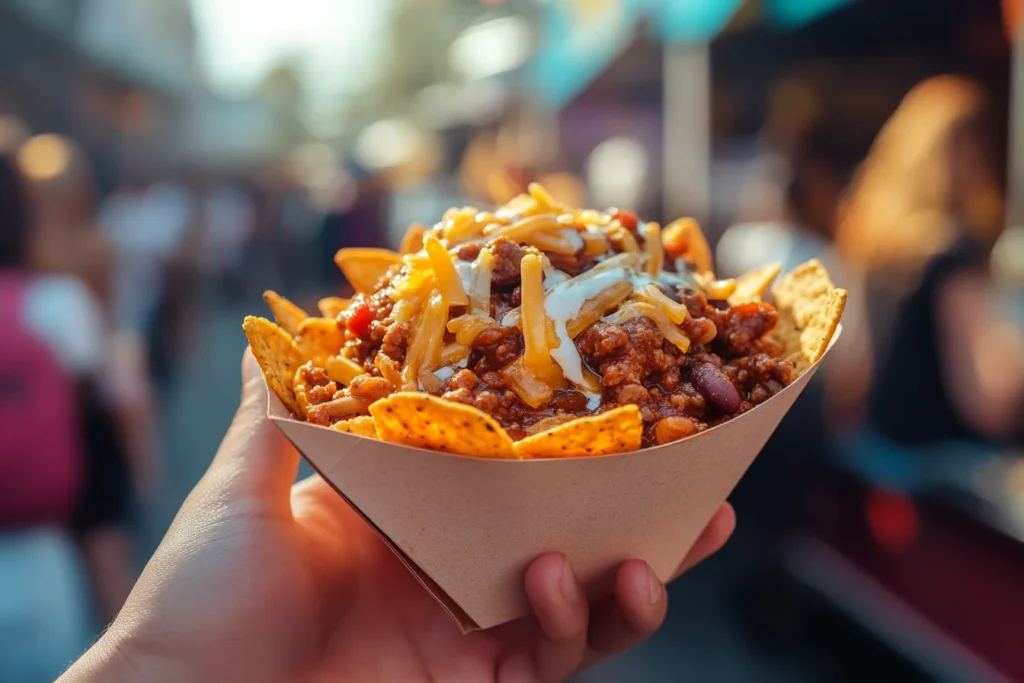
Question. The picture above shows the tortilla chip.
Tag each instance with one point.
(364, 267)
(288, 315)
(684, 237)
(753, 285)
(425, 421)
(616, 431)
(277, 356)
(319, 338)
(546, 423)
(331, 306)
(360, 426)
(412, 241)
(810, 307)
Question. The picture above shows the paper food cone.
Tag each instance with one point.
(469, 527)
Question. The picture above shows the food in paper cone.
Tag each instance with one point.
(543, 331)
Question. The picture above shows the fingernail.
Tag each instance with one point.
(654, 587)
(570, 589)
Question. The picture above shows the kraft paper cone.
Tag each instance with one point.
(469, 527)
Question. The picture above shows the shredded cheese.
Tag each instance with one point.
(594, 243)
(520, 205)
(592, 217)
(527, 386)
(343, 370)
(389, 370)
(429, 382)
(536, 376)
(417, 282)
(556, 244)
(717, 289)
(534, 320)
(468, 327)
(427, 337)
(652, 245)
(545, 202)
(523, 229)
(462, 226)
(675, 311)
(455, 355)
(444, 271)
(480, 283)
(625, 238)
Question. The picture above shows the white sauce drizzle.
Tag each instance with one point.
(563, 304)
(573, 236)
(510, 318)
(465, 271)
(552, 276)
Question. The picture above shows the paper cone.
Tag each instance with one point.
(469, 527)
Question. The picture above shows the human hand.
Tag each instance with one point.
(260, 580)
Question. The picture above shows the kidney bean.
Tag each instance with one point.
(715, 387)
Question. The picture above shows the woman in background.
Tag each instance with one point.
(112, 391)
(921, 219)
(51, 341)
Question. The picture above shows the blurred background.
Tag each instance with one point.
(162, 162)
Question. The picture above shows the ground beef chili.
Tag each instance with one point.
(507, 257)
(731, 366)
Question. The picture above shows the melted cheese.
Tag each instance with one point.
(652, 245)
(675, 311)
(445, 274)
(480, 283)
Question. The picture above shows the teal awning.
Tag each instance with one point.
(581, 37)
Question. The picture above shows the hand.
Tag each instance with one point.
(259, 580)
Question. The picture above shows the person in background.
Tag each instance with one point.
(147, 224)
(44, 616)
(920, 222)
(795, 199)
(228, 222)
(116, 426)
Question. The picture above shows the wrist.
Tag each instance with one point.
(116, 658)
(104, 662)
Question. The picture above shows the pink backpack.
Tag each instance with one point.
(40, 450)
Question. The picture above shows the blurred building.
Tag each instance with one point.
(122, 78)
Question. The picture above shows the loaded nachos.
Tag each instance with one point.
(539, 330)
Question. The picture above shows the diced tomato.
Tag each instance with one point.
(629, 220)
(359, 319)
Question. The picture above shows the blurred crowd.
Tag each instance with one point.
(931, 358)
(101, 290)
(97, 300)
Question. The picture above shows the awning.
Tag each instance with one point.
(581, 37)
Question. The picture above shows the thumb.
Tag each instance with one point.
(255, 460)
